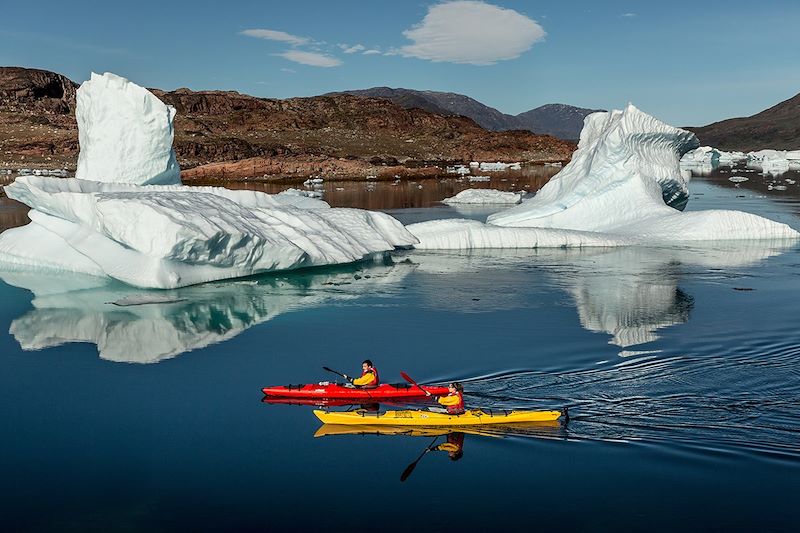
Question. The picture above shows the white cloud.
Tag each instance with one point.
(629, 14)
(347, 49)
(472, 32)
(275, 35)
(371, 51)
(310, 58)
(289, 70)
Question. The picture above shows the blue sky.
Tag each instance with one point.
(686, 62)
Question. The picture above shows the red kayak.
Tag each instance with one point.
(327, 390)
(337, 402)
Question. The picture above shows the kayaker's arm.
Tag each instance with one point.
(366, 379)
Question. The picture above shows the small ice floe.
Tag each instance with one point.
(480, 178)
(298, 192)
(372, 177)
(790, 181)
(145, 299)
(738, 179)
(557, 164)
(339, 188)
(484, 196)
(499, 167)
(55, 172)
(313, 181)
(779, 187)
(458, 169)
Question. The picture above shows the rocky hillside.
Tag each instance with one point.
(227, 132)
(559, 120)
(37, 121)
(777, 127)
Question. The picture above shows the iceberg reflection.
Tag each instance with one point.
(628, 293)
(140, 326)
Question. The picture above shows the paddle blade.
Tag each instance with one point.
(407, 378)
(408, 470)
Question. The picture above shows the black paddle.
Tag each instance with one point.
(407, 378)
(410, 468)
(339, 373)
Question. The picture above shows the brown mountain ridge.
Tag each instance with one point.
(777, 127)
(232, 135)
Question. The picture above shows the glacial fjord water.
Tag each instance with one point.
(680, 367)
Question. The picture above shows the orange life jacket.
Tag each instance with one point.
(458, 408)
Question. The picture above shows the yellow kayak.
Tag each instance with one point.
(497, 431)
(474, 417)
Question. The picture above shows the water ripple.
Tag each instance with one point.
(743, 400)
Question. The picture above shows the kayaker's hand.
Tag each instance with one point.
(427, 393)
(347, 377)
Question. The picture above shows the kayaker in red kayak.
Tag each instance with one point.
(454, 401)
(369, 376)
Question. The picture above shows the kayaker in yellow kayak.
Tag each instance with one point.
(369, 376)
(454, 401)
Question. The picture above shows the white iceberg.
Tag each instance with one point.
(484, 196)
(167, 236)
(774, 162)
(704, 155)
(125, 133)
(729, 158)
(172, 236)
(623, 186)
(625, 180)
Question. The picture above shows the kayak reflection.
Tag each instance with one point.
(453, 442)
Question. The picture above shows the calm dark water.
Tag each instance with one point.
(681, 368)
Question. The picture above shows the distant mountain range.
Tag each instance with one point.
(559, 120)
(777, 127)
(225, 133)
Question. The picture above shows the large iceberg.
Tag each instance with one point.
(623, 186)
(118, 224)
